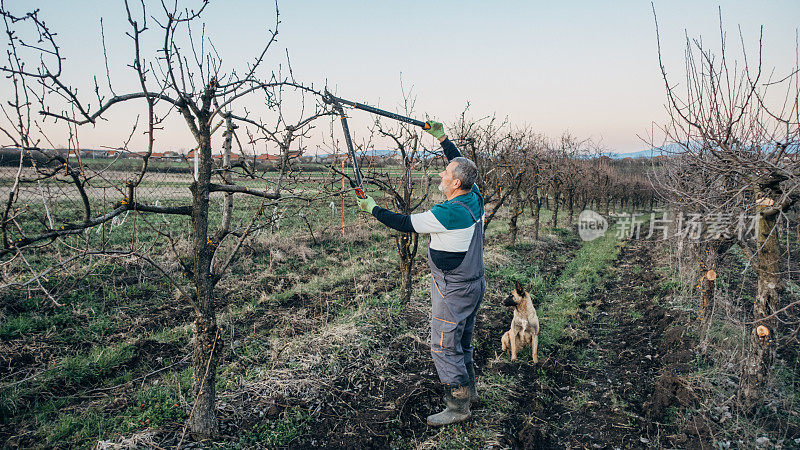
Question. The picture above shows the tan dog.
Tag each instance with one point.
(525, 325)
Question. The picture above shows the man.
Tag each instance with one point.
(455, 256)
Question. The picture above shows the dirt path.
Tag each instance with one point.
(620, 356)
(599, 392)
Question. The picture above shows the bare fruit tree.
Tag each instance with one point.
(734, 135)
(408, 190)
(483, 141)
(535, 183)
(518, 162)
(184, 75)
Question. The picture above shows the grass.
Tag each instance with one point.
(108, 299)
(280, 432)
(585, 270)
(155, 405)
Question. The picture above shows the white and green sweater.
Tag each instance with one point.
(450, 225)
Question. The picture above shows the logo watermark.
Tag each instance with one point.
(591, 225)
(694, 226)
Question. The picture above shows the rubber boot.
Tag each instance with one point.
(456, 410)
(473, 391)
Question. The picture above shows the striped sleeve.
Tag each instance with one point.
(426, 223)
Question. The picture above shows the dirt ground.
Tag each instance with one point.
(616, 381)
(609, 386)
(622, 366)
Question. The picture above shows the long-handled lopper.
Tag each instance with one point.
(337, 103)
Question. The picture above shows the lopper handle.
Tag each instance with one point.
(380, 112)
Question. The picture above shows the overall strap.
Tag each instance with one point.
(467, 208)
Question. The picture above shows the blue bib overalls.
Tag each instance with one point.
(456, 296)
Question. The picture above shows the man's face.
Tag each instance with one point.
(449, 183)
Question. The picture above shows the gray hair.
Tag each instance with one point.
(466, 171)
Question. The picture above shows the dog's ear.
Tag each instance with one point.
(520, 290)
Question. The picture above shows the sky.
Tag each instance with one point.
(587, 67)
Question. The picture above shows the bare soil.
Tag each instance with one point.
(615, 383)
(610, 386)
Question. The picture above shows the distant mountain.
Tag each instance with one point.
(378, 152)
(672, 149)
(640, 154)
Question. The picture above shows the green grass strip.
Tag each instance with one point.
(587, 269)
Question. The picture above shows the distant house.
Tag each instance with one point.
(92, 153)
(234, 157)
(264, 157)
(395, 159)
(313, 159)
(332, 158)
(152, 155)
(790, 157)
(378, 156)
(190, 156)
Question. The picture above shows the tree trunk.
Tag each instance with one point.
(405, 280)
(407, 249)
(554, 222)
(571, 204)
(536, 207)
(516, 211)
(203, 422)
(711, 252)
(708, 270)
(770, 286)
(536, 215)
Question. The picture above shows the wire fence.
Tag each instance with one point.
(42, 191)
(45, 190)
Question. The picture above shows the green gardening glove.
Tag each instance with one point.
(437, 129)
(366, 204)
